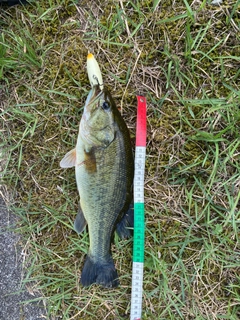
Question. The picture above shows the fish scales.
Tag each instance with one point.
(103, 195)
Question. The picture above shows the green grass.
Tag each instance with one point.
(184, 56)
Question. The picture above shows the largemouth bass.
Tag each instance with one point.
(104, 169)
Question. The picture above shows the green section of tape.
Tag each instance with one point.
(138, 239)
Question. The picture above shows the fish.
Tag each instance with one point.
(12, 2)
(104, 170)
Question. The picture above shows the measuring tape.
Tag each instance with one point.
(138, 238)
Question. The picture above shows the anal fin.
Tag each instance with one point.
(80, 221)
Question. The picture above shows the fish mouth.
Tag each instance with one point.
(93, 95)
(91, 103)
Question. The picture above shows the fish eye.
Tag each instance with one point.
(105, 105)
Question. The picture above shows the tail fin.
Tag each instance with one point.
(102, 273)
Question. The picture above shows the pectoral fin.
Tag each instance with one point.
(80, 221)
(69, 160)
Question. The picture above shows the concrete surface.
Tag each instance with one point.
(11, 295)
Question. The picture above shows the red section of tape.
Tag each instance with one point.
(141, 134)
